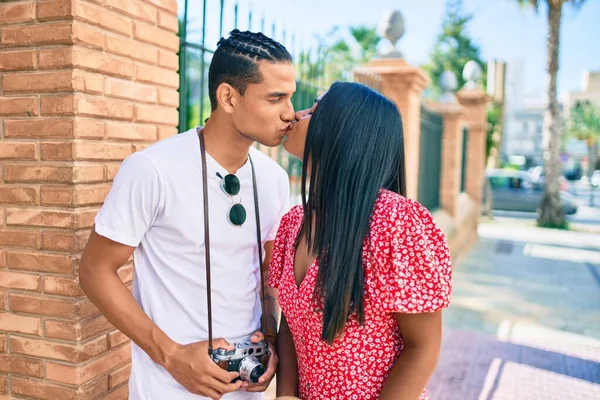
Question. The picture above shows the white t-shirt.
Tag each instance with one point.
(156, 205)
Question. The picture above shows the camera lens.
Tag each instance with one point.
(251, 369)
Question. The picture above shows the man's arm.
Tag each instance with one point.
(190, 364)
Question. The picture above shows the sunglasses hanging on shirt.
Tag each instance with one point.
(231, 186)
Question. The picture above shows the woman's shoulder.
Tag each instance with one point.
(293, 217)
(391, 207)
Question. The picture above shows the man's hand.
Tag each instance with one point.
(265, 380)
(192, 367)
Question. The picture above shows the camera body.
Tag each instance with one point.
(248, 359)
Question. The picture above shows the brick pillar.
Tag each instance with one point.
(474, 103)
(83, 85)
(452, 140)
(403, 84)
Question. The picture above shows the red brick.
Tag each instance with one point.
(63, 104)
(62, 286)
(166, 131)
(38, 173)
(40, 262)
(126, 273)
(117, 338)
(88, 36)
(56, 57)
(19, 106)
(169, 5)
(103, 18)
(38, 128)
(41, 389)
(3, 384)
(59, 241)
(168, 21)
(54, 10)
(168, 59)
(3, 303)
(20, 60)
(103, 63)
(63, 373)
(131, 48)
(3, 343)
(111, 170)
(56, 151)
(22, 366)
(119, 376)
(120, 393)
(18, 151)
(159, 76)
(64, 330)
(168, 97)
(39, 82)
(14, 13)
(57, 33)
(88, 82)
(156, 114)
(95, 388)
(105, 108)
(157, 36)
(105, 363)
(89, 128)
(57, 351)
(85, 219)
(131, 132)
(88, 173)
(87, 309)
(18, 280)
(131, 91)
(43, 305)
(134, 8)
(20, 238)
(140, 146)
(79, 195)
(20, 323)
(22, 195)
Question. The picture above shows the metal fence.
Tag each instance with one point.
(199, 24)
(463, 169)
(430, 159)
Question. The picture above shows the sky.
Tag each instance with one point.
(503, 30)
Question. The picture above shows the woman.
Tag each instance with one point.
(362, 272)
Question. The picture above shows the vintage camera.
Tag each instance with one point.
(248, 359)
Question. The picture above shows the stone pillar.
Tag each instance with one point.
(474, 102)
(452, 139)
(83, 85)
(403, 84)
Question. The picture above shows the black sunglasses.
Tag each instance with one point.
(231, 185)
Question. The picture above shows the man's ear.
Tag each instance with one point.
(227, 97)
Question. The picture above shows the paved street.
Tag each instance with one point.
(525, 318)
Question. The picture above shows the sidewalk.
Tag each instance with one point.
(524, 322)
(525, 318)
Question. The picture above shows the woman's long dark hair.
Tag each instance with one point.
(354, 148)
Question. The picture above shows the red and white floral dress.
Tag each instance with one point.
(407, 269)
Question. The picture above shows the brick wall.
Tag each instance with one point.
(83, 85)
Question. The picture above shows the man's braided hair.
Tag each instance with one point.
(235, 61)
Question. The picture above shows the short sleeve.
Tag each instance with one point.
(132, 204)
(282, 241)
(284, 193)
(417, 277)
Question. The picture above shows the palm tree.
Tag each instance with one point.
(584, 125)
(551, 211)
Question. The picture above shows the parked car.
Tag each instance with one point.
(516, 191)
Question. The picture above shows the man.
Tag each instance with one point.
(155, 212)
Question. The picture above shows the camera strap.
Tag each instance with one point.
(199, 131)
